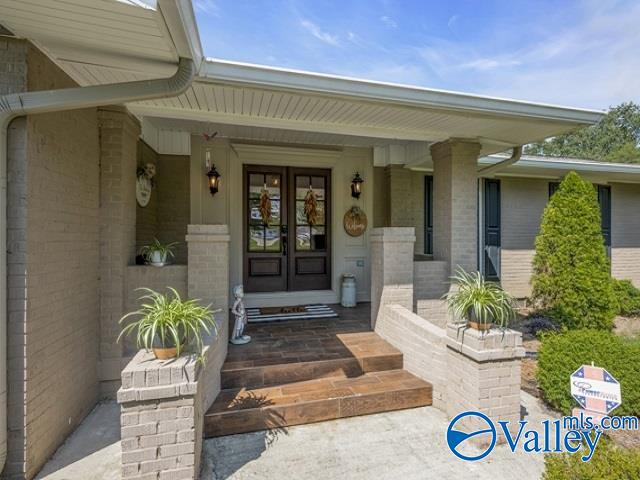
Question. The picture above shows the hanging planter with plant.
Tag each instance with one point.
(479, 303)
(166, 324)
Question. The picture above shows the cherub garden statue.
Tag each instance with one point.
(237, 336)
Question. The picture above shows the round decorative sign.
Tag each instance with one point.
(144, 183)
(355, 221)
(143, 190)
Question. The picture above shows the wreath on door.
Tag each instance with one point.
(265, 206)
(311, 207)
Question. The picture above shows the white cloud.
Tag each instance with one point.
(388, 21)
(207, 6)
(452, 20)
(489, 64)
(319, 34)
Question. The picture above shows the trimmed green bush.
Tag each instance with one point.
(561, 354)
(571, 279)
(609, 462)
(627, 298)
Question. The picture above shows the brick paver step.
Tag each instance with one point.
(295, 357)
(247, 410)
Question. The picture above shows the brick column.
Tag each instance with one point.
(484, 374)
(391, 268)
(400, 196)
(208, 280)
(161, 418)
(455, 203)
(119, 133)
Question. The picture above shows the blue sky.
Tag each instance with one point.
(583, 53)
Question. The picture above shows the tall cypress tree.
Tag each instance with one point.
(572, 279)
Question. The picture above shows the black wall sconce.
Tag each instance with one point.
(212, 174)
(356, 185)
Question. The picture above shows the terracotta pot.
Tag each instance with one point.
(483, 327)
(163, 353)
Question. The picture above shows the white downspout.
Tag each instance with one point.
(496, 167)
(29, 103)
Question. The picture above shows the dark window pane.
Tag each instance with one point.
(272, 239)
(302, 186)
(254, 211)
(256, 184)
(303, 238)
(273, 186)
(301, 218)
(256, 238)
(318, 238)
(318, 187)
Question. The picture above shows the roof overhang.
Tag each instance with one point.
(534, 166)
(109, 41)
(255, 96)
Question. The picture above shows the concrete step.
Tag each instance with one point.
(273, 363)
(247, 410)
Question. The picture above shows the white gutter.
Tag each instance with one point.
(29, 103)
(496, 167)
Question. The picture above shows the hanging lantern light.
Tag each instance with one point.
(356, 185)
(212, 174)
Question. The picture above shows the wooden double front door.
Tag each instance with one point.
(287, 228)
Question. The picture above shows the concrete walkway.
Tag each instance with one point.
(408, 444)
(92, 451)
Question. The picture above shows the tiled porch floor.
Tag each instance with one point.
(305, 371)
(294, 341)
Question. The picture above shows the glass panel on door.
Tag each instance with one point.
(265, 218)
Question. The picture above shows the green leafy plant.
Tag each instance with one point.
(561, 354)
(571, 279)
(159, 249)
(478, 300)
(627, 298)
(168, 321)
(609, 462)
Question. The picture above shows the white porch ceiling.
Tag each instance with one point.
(106, 41)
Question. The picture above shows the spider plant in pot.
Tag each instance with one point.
(165, 324)
(478, 302)
(158, 253)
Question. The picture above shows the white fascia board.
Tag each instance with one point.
(236, 73)
(180, 19)
(566, 164)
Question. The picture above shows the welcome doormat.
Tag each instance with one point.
(299, 312)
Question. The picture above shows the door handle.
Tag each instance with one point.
(283, 236)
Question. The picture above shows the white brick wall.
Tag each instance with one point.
(625, 232)
(522, 203)
(119, 133)
(53, 245)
